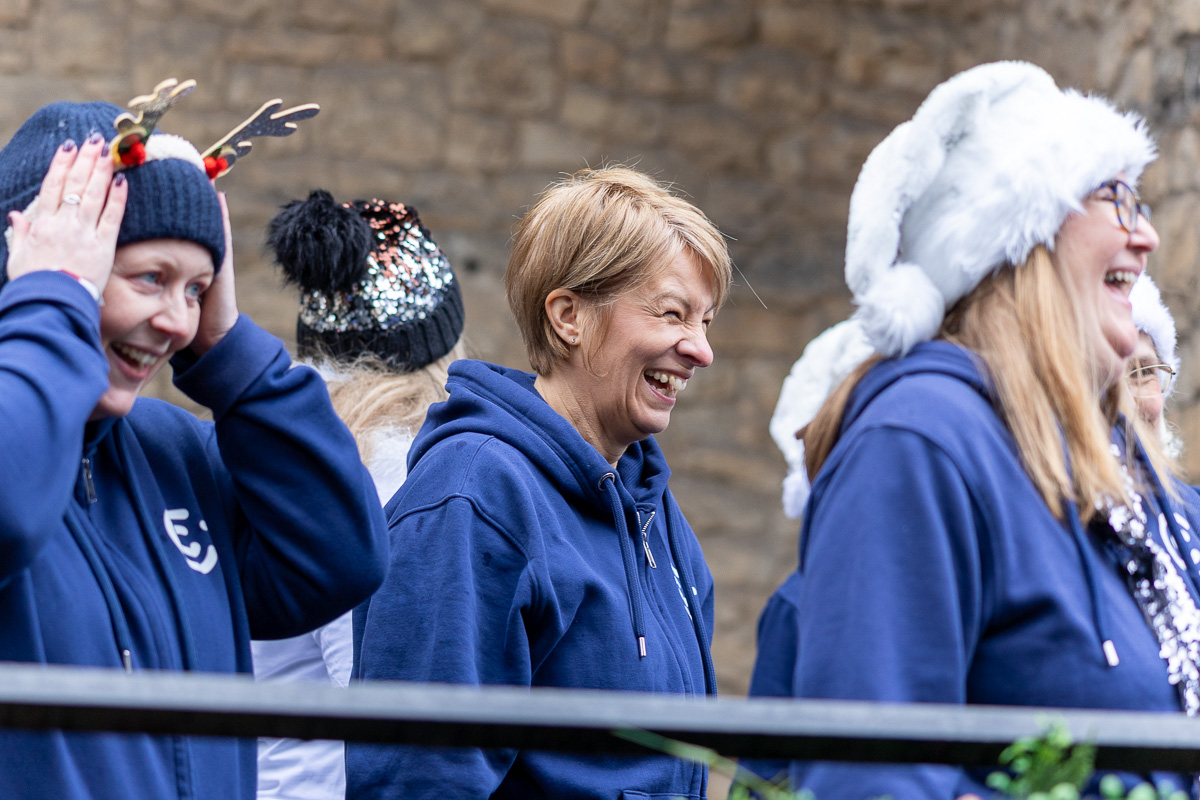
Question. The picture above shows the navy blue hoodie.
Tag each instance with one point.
(931, 571)
(520, 557)
(157, 541)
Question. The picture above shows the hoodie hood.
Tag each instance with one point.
(936, 357)
(502, 402)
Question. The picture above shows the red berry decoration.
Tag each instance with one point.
(135, 156)
(214, 166)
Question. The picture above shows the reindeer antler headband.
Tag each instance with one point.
(135, 127)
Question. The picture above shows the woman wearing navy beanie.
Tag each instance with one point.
(989, 521)
(132, 535)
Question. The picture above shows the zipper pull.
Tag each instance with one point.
(127, 661)
(646, 539)
(88, 484)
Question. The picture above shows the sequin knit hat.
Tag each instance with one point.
(371, 279)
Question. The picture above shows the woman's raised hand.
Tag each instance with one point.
(218, 306)
(75, 221)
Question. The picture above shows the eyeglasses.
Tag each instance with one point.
(1141, 378)
(1125, 199)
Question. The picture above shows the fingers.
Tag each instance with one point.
(109, 224)
(52, 185)
(78, 176)
(79, 189)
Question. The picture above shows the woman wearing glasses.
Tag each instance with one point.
(984, 526)
(1153, 365)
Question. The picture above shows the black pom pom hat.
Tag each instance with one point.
(372, 281)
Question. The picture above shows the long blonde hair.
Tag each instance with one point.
(371, 397)
(1023, 325)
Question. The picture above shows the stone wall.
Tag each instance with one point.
(761, 110)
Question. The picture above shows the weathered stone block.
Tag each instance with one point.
(303, 48)
(590, 58)
(808, 29)
(345, 15)
(240, 13)
(15, 11)
(546, 145)
(250, 85)
(634, 23)
(170, 50)
(508, 67)
(1184, 16)
(640, 123)
(787, 155)
(586, 109)
(724, 26)
(479, 143)
(715, 138)
(558, 12)
(450, 202)
(395, 116)
(669, 77)
(156, 8)
(771, 81)
(75, 41)
(435, 31)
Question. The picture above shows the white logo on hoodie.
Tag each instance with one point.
(191, 550)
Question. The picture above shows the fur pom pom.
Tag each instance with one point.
(321, 245)
(901, 309)
(825, 363)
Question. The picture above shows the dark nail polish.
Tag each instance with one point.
(104, 150)
(93, 137)
(119, 180)
(68, 145)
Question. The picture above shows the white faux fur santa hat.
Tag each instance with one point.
(989, 167)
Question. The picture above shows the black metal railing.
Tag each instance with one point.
(37, 697)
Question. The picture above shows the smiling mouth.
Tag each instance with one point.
(137, 358)
(1121, 279)
(665, 384)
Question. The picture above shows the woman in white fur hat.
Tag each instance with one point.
(1154, 364)
(986, 523)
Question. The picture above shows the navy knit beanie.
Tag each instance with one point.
(168, 199)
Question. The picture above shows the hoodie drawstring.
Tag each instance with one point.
(674, 524)
(152, 526)
(115, 611)
(1099, 613)
(608, 486)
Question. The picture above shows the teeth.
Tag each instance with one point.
(1121, 276)
(139, 357)
(671, 382)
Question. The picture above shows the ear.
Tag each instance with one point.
(564, 308)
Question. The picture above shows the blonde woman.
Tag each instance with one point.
(381, 319)
(536, 542)
(985, 525)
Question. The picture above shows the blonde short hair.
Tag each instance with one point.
(602, 233)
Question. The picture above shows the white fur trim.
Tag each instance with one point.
(161, 146)
(825, 363)
(989, 167)
(1152, 317)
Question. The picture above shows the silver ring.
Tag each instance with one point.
(72, 199)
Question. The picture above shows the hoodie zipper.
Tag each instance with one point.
(89, 485)
(646, 538)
